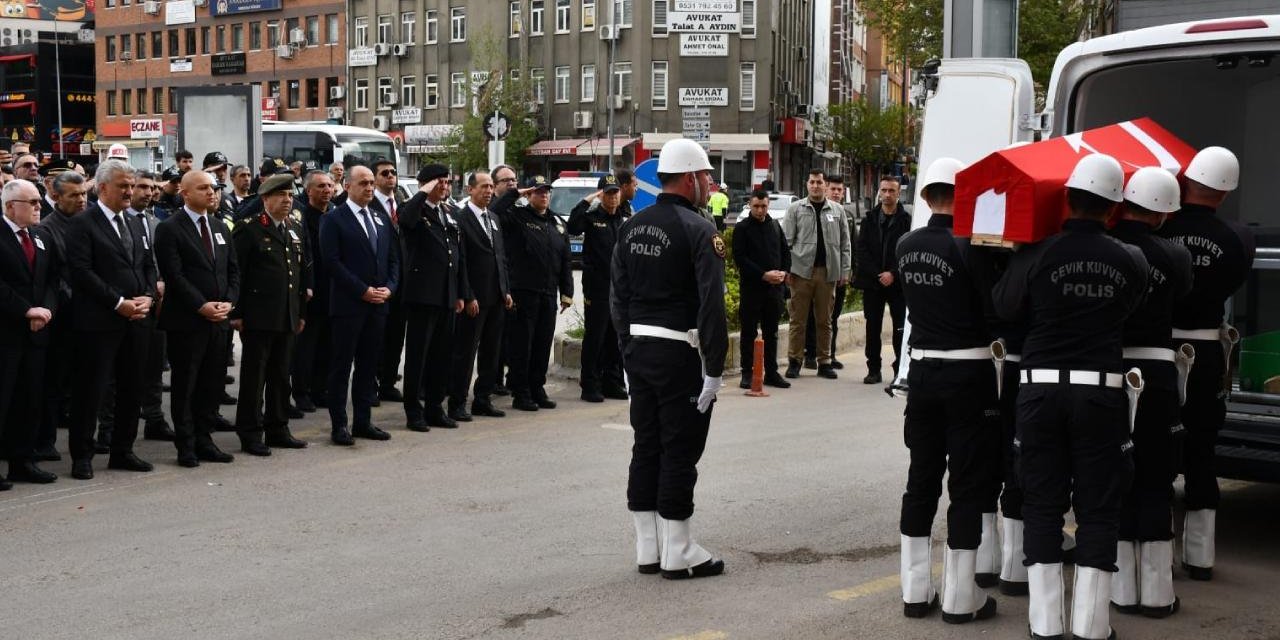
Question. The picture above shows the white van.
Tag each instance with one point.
(1211, 82)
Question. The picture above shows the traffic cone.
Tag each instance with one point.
(757, 370)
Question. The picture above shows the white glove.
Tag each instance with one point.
(710, 386)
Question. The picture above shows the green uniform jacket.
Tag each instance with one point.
(274, 268)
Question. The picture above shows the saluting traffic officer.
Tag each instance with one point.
(668, 307)
(1143, 582)
(1075, 289)
(275, 267)
(952, 387)
(1221, 258)
(597, 218)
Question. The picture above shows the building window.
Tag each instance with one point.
(330, 83)
(290, 27)
(204, 41)
(622, 79)
(362, 32)
(331, 30)
(111, 48)
(273, 34)
(432, 26)
(313, 93)
(255, 35)
(171, 100)
(313, 31)
(536, 13)
(659, 85)
(126, 47)
(622, 13)
(157, 44)
(174, 52)
(273, 89)
(237, 37)
(157, 100)
(457, 89)
(386, 94)
(408, 25)
(513, 21)
(295, 95)
(142, 102)
(659, 18)
(110, 5)
(588, 15)
(564, 13)
(748, 18)
(220, 38)
(458, 24)
(539, 80)
(191, 41)
(588, 83)
(562, 84)
(408, 91)
(126, 102)
(111, 102)
(384, 29)
(747, 87)
(362, 94)
(431, 92)
(142, 45)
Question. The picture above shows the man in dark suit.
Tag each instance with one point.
(113, 278)
(479, 330)
(28, 300)
(363, 259)
(387, 203)
(271, 254)
(433, 292)
(876, 273)
(202, 285)
(311, 353)
(48, 171)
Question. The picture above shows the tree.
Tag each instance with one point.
(1044, 28)
(865, 134)
(912, 29)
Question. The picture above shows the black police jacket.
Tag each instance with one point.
(537, 249)
(274, 270)
(1221, 258)
(1168, 283)
(945, 301)
(875, 246)
(987, 265)
(668, 271)
(1075, 289)
(759, 246)
(434, 272)
(599, 231)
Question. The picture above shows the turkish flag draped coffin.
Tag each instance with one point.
(1017, 195)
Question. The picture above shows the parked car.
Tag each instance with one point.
(778, 203)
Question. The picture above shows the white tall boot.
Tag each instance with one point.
(1013, 575)
(1090, 605)
(681, 556)
(1197, 543)
(647, 559)
(1124, 582)
(1046, 609)
(916, 570)
(987, 570)
(1156, 560)
(962, 599)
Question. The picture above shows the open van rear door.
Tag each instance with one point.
(976, 106)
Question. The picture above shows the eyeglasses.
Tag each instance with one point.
(34, 202)
(387, 172)
(27, 165)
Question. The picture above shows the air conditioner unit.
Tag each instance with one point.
(380, 123)
(619, 102)
(399, 50)
(582, 119)
(335, 112)
(126, 56)
(608, 32)
(337, 93)
(284, 51)
(297, 36)
(390, 99)
(151, 7)
(381, 49)
(802, 110)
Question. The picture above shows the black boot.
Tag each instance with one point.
(793, 368)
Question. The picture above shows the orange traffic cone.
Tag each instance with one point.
(757, 370)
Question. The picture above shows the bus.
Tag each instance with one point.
(320, 144)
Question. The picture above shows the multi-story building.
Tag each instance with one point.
(1123, 15)
(296, 52)
(740, 67)
(46, 79)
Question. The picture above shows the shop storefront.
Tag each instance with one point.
(741, 160)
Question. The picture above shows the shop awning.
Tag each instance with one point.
(561, 147)
(719, 141)
(600, 146)
(102, 144)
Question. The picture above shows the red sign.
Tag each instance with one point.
(271, 108)
(1018, 195)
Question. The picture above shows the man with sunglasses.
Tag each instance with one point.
(27, 167)
(385, 202)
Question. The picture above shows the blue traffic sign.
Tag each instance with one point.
(648, 187)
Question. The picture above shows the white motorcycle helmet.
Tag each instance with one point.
(682, 155)
(1216, 168)
(942, 171)
(1099, 174)
(1154, 189)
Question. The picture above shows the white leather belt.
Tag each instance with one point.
(1086, 378)
(1012, 357)
(689, 337)
(1148, 353)
(976, 353)
(1197, 334)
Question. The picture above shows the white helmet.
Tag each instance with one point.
(118, 151)
(1099, 174)
(682, 155)
(942, 171)
(1154, 189)
(1216, 168)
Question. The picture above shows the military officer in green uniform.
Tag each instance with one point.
(272, 309)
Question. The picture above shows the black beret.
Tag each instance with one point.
(431, 172)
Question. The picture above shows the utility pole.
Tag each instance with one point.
(613, 48)
(57, 78)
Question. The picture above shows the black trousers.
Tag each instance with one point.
(99, 356)
(1147, 514)
(810, 329)
(21, 398)
(1008, 486)
(477, 345)
(197, 366)
(1073, 452)
(356, 341)
(950, 429)
(529, 337)
(759, 306)
(601, 360)
(393, 344)
(873, 301)
(264, 383)
(59, 360)
(311, 358)
(152, 399)
(1203, 416)
(426, 359)
(670, 432)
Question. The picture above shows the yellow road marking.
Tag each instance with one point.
(702, 635)
(879, 585)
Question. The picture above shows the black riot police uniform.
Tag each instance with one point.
(275, 267)
(601, 362)
(668, 275)
(538, 262)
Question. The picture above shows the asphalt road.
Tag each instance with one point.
(517, 528)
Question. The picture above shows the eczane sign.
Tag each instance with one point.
(146, 128)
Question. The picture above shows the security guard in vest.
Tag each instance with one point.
(1143, 582)
(668, 308)
(272, 309)
(1221, 258)
(952, 389)
(1075, 289)
(597, 217)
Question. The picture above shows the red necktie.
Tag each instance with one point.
(204, 235)
(395, 219)
(28, 248)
